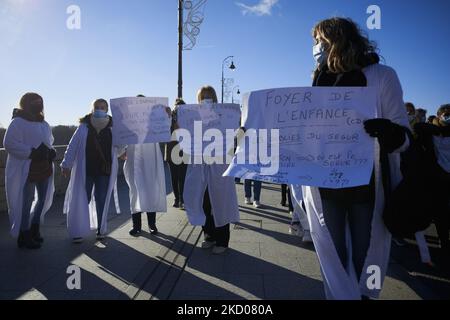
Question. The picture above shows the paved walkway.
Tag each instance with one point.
(264, 261)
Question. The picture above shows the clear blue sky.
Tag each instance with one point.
(130, 47)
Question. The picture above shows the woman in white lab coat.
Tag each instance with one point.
(144, 173)
(210, 199)
(29, 170)
(347, 228)
(91, 162)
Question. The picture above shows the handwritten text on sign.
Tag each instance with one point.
(140, 120)
(322, 141)
(213, 118)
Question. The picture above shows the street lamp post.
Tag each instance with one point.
(232, 93)
(180, 48)
(231, 66)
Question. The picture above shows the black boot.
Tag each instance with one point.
(137, 225)
(151, 217)
(35, 234)
(27, 241)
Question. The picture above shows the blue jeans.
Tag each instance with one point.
(28, 198)
(101, 184)
(359, 216)
(256, 189)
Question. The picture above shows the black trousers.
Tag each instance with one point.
(137, 219)
(285, 193)
(220, 235)
(178, 174)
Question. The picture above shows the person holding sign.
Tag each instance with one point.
(29, 169)
(144, 173)
(211, 199)
(355, 268)
(177, 170)
(91, 163)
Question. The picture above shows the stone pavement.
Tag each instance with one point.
(264, 261)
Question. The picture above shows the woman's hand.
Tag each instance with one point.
(123, 157)
(391, 136)
(169, 112)
(65, 172)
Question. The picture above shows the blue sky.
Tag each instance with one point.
(130, 47)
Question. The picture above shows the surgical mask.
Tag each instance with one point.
(100, 114)
(207, 101)
(319, 53)
(446, 119)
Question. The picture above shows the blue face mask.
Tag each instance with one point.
(100, 114)
(446, 119)
(319, 53)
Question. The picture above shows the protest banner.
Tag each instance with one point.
(320, 136)
(139, 120)
(208, 127)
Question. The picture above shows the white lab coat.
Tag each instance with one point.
(222, 194)
(23, 135)
(82, 216)
(340, 283)
(299, 215)
(144, 173)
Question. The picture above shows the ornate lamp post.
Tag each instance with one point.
(232, 93)
(231, 66)
(190, 29)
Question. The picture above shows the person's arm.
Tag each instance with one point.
(393, 106)
(71, 152)
(14, 144)
(52, 150)
(391, 129)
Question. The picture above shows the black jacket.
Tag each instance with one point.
(98, 149)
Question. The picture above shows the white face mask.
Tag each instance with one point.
(207, 101)
(319, 53)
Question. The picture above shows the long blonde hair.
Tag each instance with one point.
(347, 47)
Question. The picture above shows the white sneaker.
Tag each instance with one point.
(307, 236)
(256, 204)
(77, 240)
(294, 228)
(207, 244)
(248, 201)
(219, 250)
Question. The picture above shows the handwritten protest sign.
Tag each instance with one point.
(203, 121)
(322, 141)
(140, 120)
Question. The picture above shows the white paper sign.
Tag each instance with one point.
(211, 116)
(322, 141)
(140, 120)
